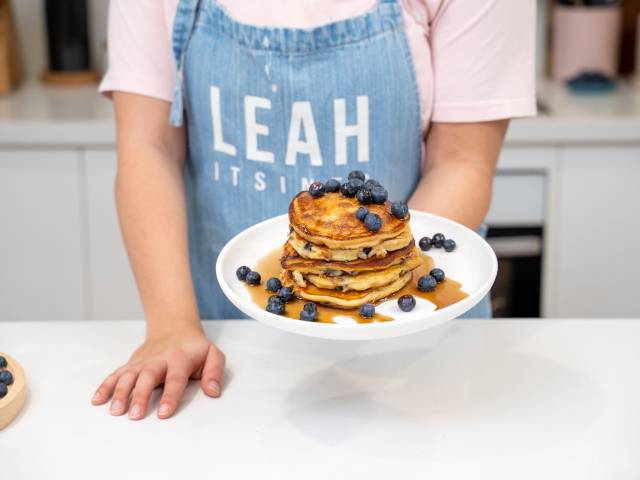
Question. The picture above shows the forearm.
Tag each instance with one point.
(459, 192)
(150, 198)
(458, 173)
(152, 212)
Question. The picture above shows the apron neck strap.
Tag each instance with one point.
(183, 24)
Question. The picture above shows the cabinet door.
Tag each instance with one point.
(113, 290)
(518, 200)
(593, 240)
(42, 269)
(519, 187)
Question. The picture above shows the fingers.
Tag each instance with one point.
(212, 372)
(104, 391)
(121, 393)
(174, 385)
(149, 378)
(131, 386)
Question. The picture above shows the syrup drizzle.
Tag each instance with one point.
(446, 293)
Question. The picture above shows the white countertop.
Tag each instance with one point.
(496, 399)
(35, 115)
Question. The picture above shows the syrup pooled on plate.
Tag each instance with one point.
(446, 293)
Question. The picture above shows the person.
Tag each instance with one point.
(225, 109)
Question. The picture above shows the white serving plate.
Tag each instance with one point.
(473, 264)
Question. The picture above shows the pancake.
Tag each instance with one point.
(346, 300)
(290, 260)
(330, 221)
(362, 281)
(313, 251)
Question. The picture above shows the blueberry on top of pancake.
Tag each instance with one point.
(331, 220)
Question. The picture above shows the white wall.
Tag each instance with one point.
(32, 34)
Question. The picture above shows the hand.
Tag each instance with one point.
(171, 359)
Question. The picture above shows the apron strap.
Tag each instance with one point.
(183, 24)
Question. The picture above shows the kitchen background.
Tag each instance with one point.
(564, 218)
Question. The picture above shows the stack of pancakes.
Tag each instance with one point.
(331, 258)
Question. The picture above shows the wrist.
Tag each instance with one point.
(169, 327)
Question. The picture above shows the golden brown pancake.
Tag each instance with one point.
(362, 281)
(338, 299)
(312, 251)
(290, 260)
(330, 221)
(333, 259)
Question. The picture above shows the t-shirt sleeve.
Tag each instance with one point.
(483, 60)
(139, 45)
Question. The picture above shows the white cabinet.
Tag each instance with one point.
(593, 256)
(526, 159)
(518, 200)
(113, 290)
(519, 187)
(43, 271)
(62, 254)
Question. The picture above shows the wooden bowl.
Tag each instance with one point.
(12, 403)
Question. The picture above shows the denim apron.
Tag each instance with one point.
(270, 110)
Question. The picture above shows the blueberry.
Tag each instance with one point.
(6, 377)
(379, 194)
(406, 303)
(274, 284)
(425, 244)
(371, 183)
(253, 278)
(373, 222)
(438, 274)
(437, 240)
(276, 308)
(348, 189)
(449, 245)
(310, 307)
(308, 316)
(316, 189)
(399, 209)
(332, 185)
(356, 174)
(367, 310)
(361, 213)
(356, 184)
(241, 273)
(364, 196)
(274, 299)
(3, 390)
(3, 362)
(427, 283)
(286, 294)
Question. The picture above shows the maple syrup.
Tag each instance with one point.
(446, 293)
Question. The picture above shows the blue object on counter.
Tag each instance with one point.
(591, 82)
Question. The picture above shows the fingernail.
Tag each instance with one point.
(116, 406)
(164, 409)
(135, 411)
(214, 387)
(96, 397)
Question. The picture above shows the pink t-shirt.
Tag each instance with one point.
(474, 60)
